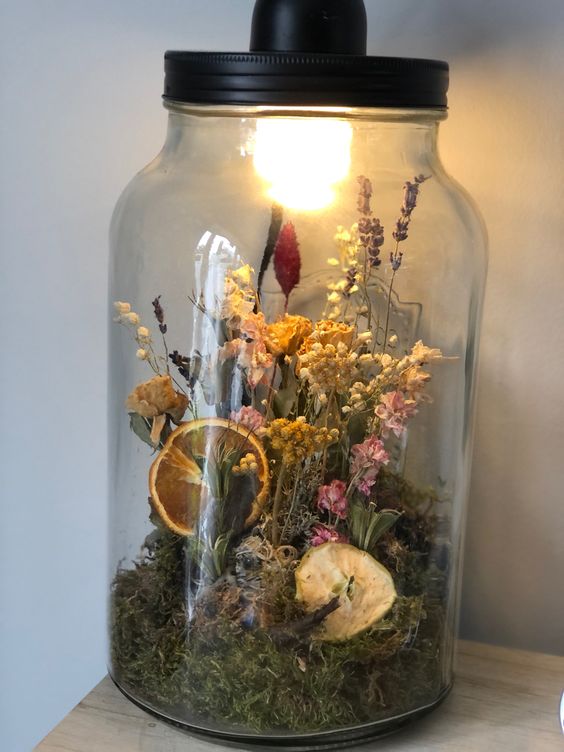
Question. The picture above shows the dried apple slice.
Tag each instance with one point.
(365, 588)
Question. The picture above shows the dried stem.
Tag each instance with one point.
(385, 344)
(166, 354)
(273, 233)
(276, 505)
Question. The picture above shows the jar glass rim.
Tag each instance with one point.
(374, 114)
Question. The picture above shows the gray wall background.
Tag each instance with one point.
(79, 95)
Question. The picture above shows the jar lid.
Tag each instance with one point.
(306, 53)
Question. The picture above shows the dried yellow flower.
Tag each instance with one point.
(244, 275)
(329, 332)
(155, 399)
(238, 298)
(328, 368)
(247, 466)
(285, 336)
(298, 440)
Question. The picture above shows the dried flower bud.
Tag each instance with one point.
(122, 308)
(183, 365)
(364, 337)
(159, 314)
(395, 260)
(143, 335)
(350, 282)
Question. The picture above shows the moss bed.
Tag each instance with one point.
(215, 666)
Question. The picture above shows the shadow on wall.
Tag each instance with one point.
(457, 28)
(503, 141)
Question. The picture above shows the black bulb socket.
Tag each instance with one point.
(336, 27)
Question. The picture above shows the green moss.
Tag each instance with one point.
(210, 667)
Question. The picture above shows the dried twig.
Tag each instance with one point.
(284, 633)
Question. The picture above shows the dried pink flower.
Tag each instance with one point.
(366, 461)
(287, 261)
(252, 357)
(324, 534)
(254, 327)
(250, 418)
(255, 359)
(333, 499)
(365, 486)
(393, 411)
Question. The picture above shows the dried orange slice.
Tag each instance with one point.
(192, 478)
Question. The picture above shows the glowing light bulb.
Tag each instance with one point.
(302, 160)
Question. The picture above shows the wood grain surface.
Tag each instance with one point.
(503, 700)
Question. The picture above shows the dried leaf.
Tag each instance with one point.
(141, 427)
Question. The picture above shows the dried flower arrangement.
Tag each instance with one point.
(287, 585)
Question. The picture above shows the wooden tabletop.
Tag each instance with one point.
(503, 700)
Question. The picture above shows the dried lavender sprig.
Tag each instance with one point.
(182, 363)
(395, 260)
(364, 195)
(410, 194)
(159, 314)
(371, 235)
(371, 231)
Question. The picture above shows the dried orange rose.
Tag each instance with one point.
(285, 336)
(155, 399)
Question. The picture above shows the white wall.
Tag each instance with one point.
(79, 96)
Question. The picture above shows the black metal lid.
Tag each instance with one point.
(306, 53)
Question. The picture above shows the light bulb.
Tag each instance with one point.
(302, 159)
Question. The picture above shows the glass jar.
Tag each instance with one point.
(298, 293)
